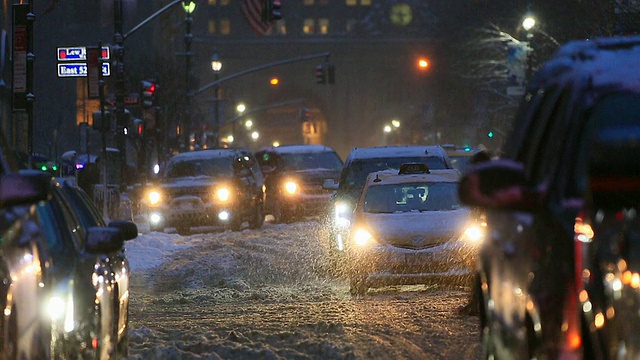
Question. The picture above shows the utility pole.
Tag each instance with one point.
(118, 50)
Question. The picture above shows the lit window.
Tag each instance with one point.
(225, 26)
(308, 26)
(226, 2)
(212, 26)
(351, 2)
(323, 24)
(212, 2)
(308, 2)
(365, 2)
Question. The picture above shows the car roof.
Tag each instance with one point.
(296, 149)
(392, 177)
(208, 154)
(600, 62)
(397, 151)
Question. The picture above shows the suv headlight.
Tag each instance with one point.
(343, 214)
(362, 238)
(223, 194)
(154, 197)
(473, 234)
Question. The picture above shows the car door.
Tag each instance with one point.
(517, 250)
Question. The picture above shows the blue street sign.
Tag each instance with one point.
(79, 53)
(80, 69)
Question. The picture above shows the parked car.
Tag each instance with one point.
(558, 271)
(115, 337)
(294, 175)
(359, 163)
(24, 264)
(217, 187)
(82, 298)
(409, 228)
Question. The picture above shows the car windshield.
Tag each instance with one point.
(307, 161)
(356, 175)
(214, 167)
(411, 197)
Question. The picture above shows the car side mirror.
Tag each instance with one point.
(330, 184)
(25, 187)
(128, 229)
(104, 240)
(498, 184)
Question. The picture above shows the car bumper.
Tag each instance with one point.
(388, 265)
(191, 216)
(307, 203)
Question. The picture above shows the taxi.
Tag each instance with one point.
(409, 228)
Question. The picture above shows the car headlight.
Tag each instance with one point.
(223, 194)
(154, 197)
(60, 309)
(473, 234)
(291, 187)
(362, 237)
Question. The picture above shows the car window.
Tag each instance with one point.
(88, 214)
(411, 197)
(58, 225)
(552, 137)
(608, 146)
(306, 161)
(355, 174)
(214, 167)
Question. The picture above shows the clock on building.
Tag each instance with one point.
(400, 14)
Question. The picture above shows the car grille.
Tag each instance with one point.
(418, 242)
(203, 193)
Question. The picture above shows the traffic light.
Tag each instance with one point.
(138, 127)
(321, 77)
(271, 11)
(305, 114)
(149, 88)
(490, 134)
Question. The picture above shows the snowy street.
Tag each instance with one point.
(266, 294)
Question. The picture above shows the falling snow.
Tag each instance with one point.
(267, 294)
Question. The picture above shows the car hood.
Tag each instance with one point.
(315, 176)
(416, 229)
(195, 181)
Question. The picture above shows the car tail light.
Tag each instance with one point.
(571, 347)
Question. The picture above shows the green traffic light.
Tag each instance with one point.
(490, 134)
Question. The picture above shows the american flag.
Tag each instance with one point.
(253, 12)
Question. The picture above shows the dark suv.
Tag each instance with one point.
(559, 271)
(294, 175)
(218, 187)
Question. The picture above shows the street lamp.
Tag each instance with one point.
(216, 66)
(528, 23)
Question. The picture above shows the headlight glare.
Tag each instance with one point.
(223, 194)
(56, 308)
(474, 234)
(362, 237)
(154, 197)
(291, 187)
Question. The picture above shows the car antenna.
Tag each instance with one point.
(377, 179)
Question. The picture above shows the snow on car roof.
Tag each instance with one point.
(399, 150)
(205, 154)
(298, 149)
(604, 61)
(392, 177)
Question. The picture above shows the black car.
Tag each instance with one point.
(558, 274)
(115, 312)
(294, 177)
(217, 187)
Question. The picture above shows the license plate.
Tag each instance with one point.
(415, 260)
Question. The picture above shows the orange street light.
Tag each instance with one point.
(274, 81)
(423, 63)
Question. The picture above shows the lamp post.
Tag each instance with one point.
(527, 24)
(189, 7)
(216, 66)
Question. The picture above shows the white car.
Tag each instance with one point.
(409, 228)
